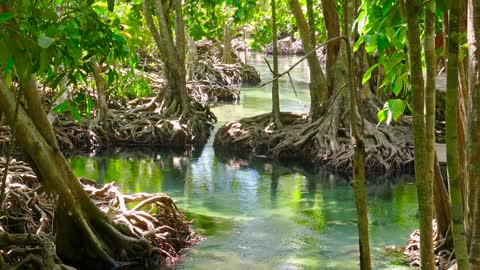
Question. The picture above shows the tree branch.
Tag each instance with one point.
(301, 60)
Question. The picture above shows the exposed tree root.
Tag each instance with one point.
(324, 142)
(210, 68)
(207, 92)
(444, 255)
(146, 228)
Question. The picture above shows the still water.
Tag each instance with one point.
(260, 214)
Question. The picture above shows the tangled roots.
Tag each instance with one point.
(444, 256)
(26, 231)
(325, 142)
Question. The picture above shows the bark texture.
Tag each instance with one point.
(332, 26)
(418, 96)
(358, 148)
(227, 44)
(473, 138)
(458, 228)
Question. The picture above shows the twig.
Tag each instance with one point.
(301, 60)
(293, 86)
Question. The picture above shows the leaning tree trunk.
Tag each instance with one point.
(332, 26)
(318, 82)
(84, 234)
(311, 21)
(458, 229)
(418, 96)
(275, 95)
(227, 44)
(473, 137)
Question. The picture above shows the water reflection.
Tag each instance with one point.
(261, 215)
(258, 214)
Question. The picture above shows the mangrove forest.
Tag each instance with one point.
(229, 134)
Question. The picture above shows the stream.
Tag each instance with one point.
(260, 214)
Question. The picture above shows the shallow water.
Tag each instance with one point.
(259, 214)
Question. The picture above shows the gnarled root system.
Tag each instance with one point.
(324, 141)
(146, 228)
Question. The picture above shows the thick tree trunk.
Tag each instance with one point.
(174, 101)
(418, 96)
(227, 44)
(100, 241)
(318, 82)
(473, 138)
(275, 95)
(458, 229)
(332, 26)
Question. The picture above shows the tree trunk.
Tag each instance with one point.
(227, 44)
(473, 138)
(418, 98)
(275, 95)
(192, 58)
(102, 105)
(430, 92)
(458, 229)
(318, 82)
(332, 26)
(359, 152)
(86, 235)
(441, 201)
(311, 22)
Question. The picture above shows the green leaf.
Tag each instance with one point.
(368, 73)
(396, 108)
(5, 17)
(382, 116)
(44, 41)
(397, 86)
(62, 107)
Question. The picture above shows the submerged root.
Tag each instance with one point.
(325, 142)
(145, 228)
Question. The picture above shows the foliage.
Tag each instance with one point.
(382, 31)
(131, 86)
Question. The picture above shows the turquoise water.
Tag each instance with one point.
(260, 214)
